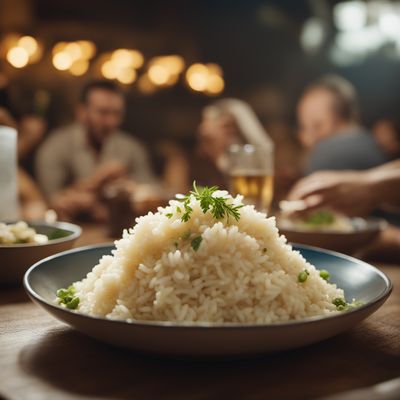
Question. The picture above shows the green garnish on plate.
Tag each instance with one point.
(218, 206)
(68, 298)
(320, 217)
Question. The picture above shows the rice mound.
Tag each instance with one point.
(242, 272)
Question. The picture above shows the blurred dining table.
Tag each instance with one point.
(41, 358)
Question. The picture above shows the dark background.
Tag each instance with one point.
(256, 42)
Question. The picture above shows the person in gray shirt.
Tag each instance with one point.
(330, 129)
(77, 160)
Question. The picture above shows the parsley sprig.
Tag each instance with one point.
(218, 206)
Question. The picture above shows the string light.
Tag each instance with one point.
(73, 56)
(18, 57)
(62, 61)
(79, 67)
(206, 78)
(28, 43)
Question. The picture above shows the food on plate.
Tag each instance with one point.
(19, 233)
(319, 220)
(204, 258)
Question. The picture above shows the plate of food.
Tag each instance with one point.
(23, 243)
(206, 276)
(330, 230)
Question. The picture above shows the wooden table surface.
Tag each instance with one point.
(41, 358)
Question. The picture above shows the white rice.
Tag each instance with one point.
(243, 272)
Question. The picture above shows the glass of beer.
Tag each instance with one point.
(250, 170)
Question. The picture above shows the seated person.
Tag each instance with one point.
(77, 160)
(224, 122)
(330, 129)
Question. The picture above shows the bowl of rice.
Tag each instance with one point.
(331, 230)
(23, 243)
(205, 275)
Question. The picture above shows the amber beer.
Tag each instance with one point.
(256, 187)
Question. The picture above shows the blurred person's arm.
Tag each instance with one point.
(350, 192)
(33, 205)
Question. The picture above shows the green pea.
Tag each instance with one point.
(73, 304)
(303, 275)
(324, 274)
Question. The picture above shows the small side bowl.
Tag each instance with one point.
(365, 231)
(15, 259)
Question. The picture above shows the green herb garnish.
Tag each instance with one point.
(303, 275)
(324, 274)
(58, 234)
(169, 215)
(342, 305)
(218, 206)
(321, 217)
(195, 243)
(68, 298)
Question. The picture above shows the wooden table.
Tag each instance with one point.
(40, 358)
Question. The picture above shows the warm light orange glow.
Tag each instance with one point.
(214, 69)
(205, 78)
(158, 74)
(197, 77)
(59, 47)
(126, 75)
(88, 49)
(62, 61)
(145, 85)
(108, 70)
(175, 64)
(79, 67)
(74, 51)
(28, 43)
(215, 84)
(127, 58)
(18, 57)
(10, 40)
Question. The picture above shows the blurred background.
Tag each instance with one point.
(264, 52)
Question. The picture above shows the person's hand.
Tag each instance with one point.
(105, 174)
(71, 202)
(348, 192)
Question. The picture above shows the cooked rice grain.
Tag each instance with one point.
(242, 272)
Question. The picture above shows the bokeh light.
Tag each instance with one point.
(158, 74)
(126, 75)
(18, 57)
(88, 49)
(197, 77)
(62, 61)
(215, 84)
(350, 15)
(79, 67)
(73, 50)
(109, 70)
(206, 78)
(28, 43)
